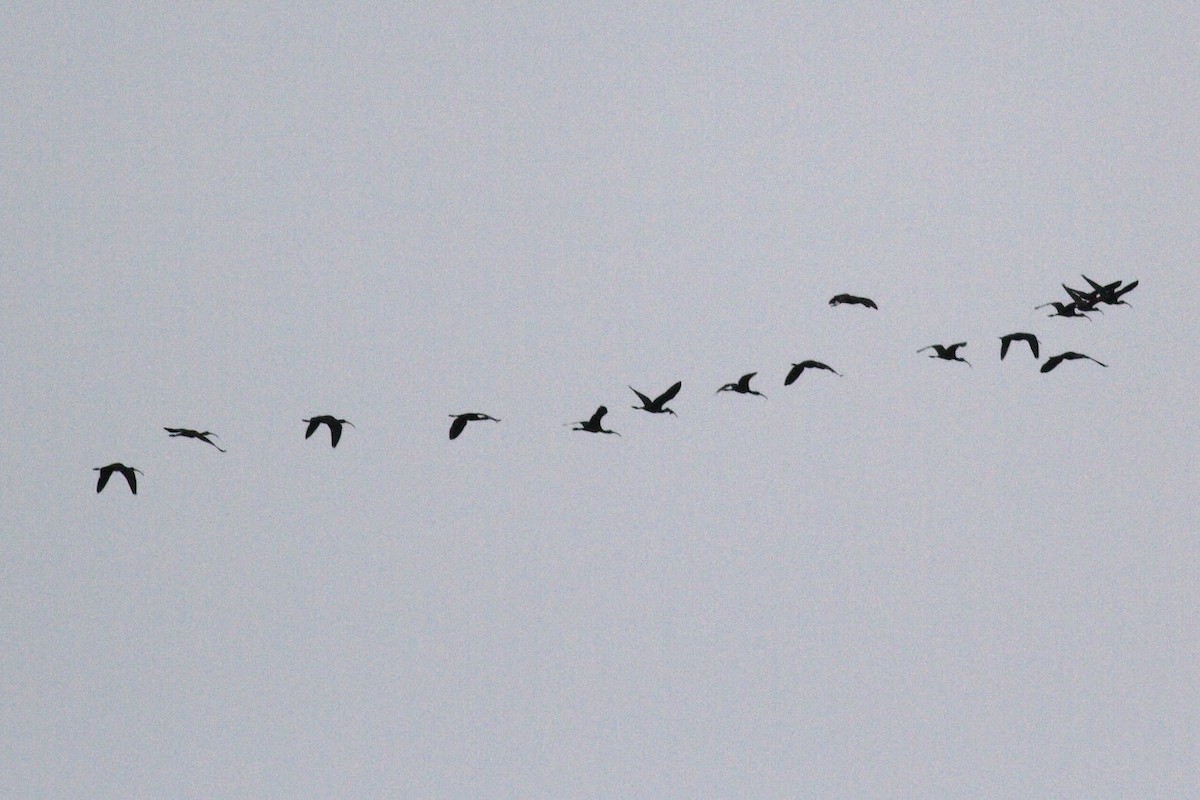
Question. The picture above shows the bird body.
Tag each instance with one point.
(1064, 310)
(335, 427)
(592, 424)
(797, 369)
(1028, 338)
(854, 300)
(107, 471)
(659, 404)
(946, 352)
(1054, 361)
(188, 433)
(742, 386)
(461, 420)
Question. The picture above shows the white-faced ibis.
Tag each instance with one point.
(1029, 338)
(946, 352)
(1064, 310)
(659, 404)
(797, 369)
(1054, 361)
(106, 473)
(592, 425)
(335, 427)
(853, 300)
(461, 420)
(742, 386)
(188, 433)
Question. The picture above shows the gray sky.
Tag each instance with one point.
(919, 580)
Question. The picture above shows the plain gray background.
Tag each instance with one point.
(919, 580)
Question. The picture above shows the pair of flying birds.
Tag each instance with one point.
(950, 352)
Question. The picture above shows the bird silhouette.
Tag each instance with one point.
(188, 433)
(1110, 294)
(796, 369)
(838, 299)
(1084, 301)
(1005, 341)
(946, 352)
(1064, 310)
(106, 473)
(742, 386)
(335, 427)
(659, 404)
(461, 420)
(1054, 361)
(592, 425)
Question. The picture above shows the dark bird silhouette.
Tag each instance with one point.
(592, 425)
(1054, 361)
(1064, 310)
(106, 473)
(946, 352)
(1110, 294)
(796, 369)
(742, 386)
(1005, 341)
(1083, 301)
(461, 420)
(335, 427)
(659, 404)
(188, 433)
(838, 299)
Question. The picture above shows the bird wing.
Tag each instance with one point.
(744, 382)
(174, 431)
(646, 401)
(1033, 344)
(837, 299)
(1129, 287)
(1052, 362)
(668, 395)
(1004, 341)
(599, 415)
(313, 424)
(130, 476)
(927, 347)
(793, 374)
(820, 365)
(105, 474)
(457, 427)
(868, 302)
(335, 432)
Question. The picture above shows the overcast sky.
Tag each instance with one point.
(918, 580)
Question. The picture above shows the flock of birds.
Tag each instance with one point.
(1080, 305)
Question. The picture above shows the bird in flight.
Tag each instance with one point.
(592, 425)
(188, 433)
(946, 352)
(1064, 310)
(335, 427)
(1005, 341)
(838, 299)
(659, 404)
(1054, 361)
(106, 473)
(1110, 294)
(796, 369)
(461, 420)
(742, 386)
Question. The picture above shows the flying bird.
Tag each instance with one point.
(803, 365)
(659, 404)
(188, 433)
(1054, 361)
(946, 352)
(742, 386)
(838, 299)
(106, 473)
(461, 420)
(1110, 294)
(1064, 310)
(335, 427)
(1005, 341)
(592, 425)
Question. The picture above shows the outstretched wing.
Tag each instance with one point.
(313, 424)
(1033, 344)
(599, 415)
(868, 302)
(105, 474)
(1051, 363)
(668, 395)
(646, 401)
(335, 432)
(793, 373)
(1004, 342)
(744, 382)
(457, 427)
(130, 476)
